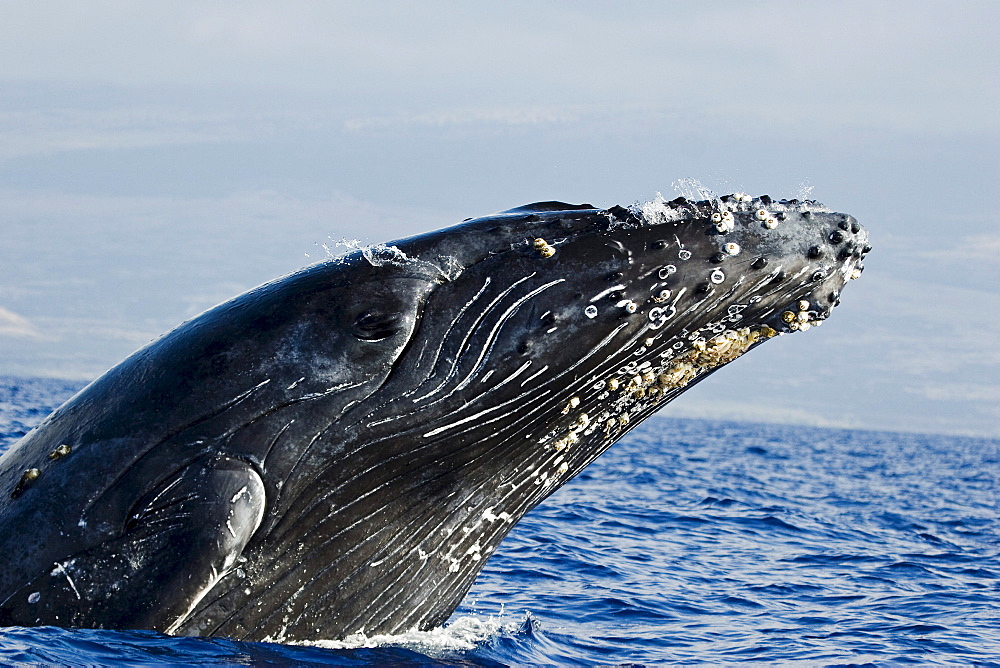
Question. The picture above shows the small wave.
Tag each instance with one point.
(462, 634)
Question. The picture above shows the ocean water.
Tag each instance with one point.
(688, 542)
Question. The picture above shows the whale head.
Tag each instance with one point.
(560, 324)
(533, 340)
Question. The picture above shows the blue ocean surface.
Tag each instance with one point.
(690, 541)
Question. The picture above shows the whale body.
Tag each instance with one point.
(340, 450)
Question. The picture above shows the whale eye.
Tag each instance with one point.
(375, 325)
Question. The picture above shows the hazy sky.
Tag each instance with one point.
(157, 158)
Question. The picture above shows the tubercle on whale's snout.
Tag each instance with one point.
(834, 243)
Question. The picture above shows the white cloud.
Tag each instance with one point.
(132, 125)
(12, 324)
(974, 248)
(506, 115)
(964, 392)
(757, 411)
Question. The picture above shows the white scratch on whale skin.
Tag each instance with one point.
(60, 569)
(491, 339)
(535, 375)
(604, 293)
(435, 432)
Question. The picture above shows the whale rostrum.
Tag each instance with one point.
(340, 450)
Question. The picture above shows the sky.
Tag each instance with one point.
(159, 158)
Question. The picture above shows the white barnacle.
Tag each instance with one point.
(761, 214)
(802, 316)
(855, 273)
(803, 305)
(732, 248)
(717, 276)
(590, 311)
(686, 255)
(725, 223)
(631, 306)
(659, 316)
(771, 223)
(716, 217)
(666, 271)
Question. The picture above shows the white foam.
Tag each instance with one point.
(657, 211)
(693, 190)
(463, 634)
(376, 254)
(379, 255)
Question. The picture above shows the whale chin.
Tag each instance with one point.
(342, 449)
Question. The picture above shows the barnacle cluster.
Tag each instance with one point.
(31, 475)
(706, 355)
(543, 247)
(800, 320)
(622, 395)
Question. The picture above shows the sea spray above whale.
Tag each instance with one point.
(341, 450)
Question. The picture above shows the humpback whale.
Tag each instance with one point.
(340, 450)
